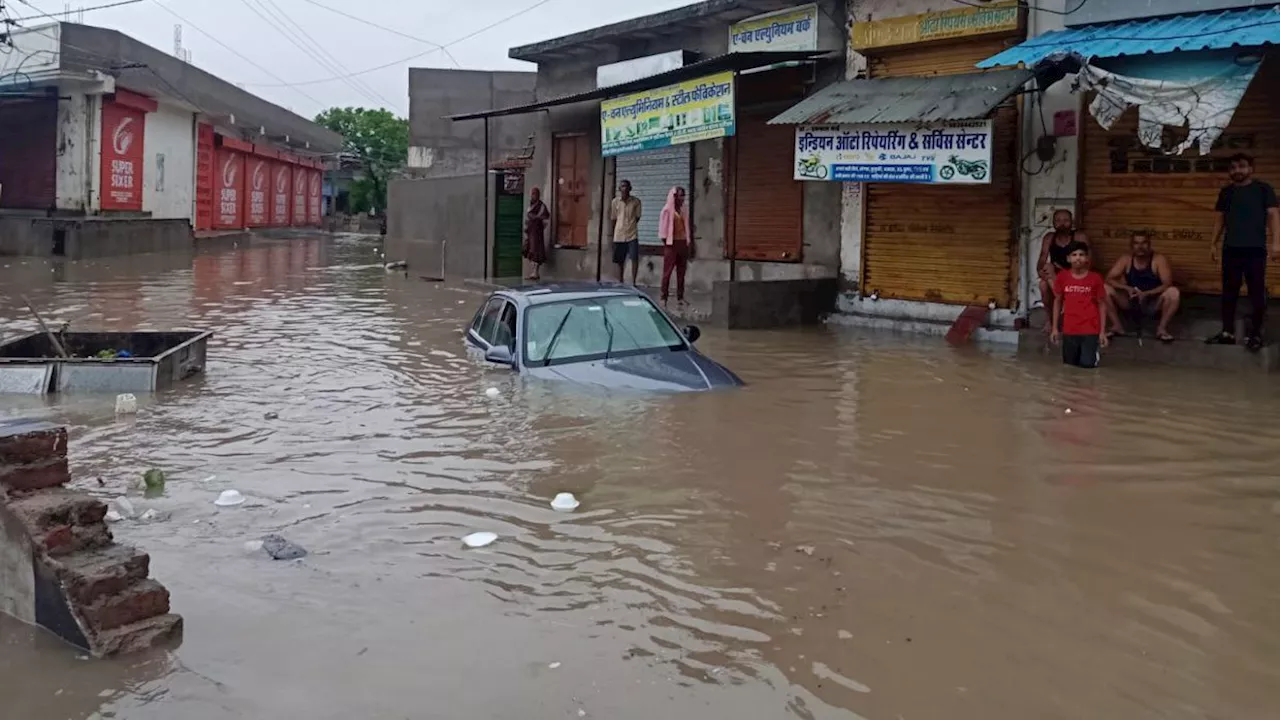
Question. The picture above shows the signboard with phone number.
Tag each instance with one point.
(943, 153)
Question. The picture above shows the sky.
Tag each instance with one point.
(268, 33)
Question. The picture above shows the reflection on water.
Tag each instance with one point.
(877, 527)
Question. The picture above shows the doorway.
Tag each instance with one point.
(572, 213)
(508, 224)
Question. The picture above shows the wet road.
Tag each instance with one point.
(877, 527)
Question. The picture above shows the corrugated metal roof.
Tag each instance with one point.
(735, 62)
(1203, 31)
(907, 99)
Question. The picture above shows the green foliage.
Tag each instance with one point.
(381, 142)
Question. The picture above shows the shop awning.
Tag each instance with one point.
(736, 62)
(907, 99)
(1249, 27)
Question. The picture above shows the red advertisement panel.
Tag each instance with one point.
(204, 177)
(122, 140)
(299, 195)
(313, 199)
(229, 212)
(281, 193)
(258, 190)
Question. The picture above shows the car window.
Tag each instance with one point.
(583, 329)
(504, 331)
(488, 320)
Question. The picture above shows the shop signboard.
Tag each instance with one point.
(259, 188)
(686, 112)
(229, 180)
(953, 153)
(122, 144)
(299, 195)
(995, 17)
(792, 29)
(281, 192)
(313, 198)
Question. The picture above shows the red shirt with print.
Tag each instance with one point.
(1081, 298)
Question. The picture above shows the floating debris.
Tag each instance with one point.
(229, 498)
(492, 392)
(125, 507)
(113, 516)
(271, 416)
(153, 480)
(281, 549)
(479, 539)
(126, 404)
(565, 502)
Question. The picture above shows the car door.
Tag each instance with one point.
(482, 326)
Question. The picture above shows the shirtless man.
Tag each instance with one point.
(1053, 252)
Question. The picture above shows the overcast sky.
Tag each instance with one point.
(257, 30)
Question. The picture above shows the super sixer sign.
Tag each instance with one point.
(122, 143)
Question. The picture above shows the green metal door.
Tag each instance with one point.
(508, 234)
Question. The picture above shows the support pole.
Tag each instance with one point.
(487, 182)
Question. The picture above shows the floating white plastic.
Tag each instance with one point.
(126, 404)
(492, 392)
(229, 498)
(479, 539)
(565, 502)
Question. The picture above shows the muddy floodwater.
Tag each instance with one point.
(877, 527)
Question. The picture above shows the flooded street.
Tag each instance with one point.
(877, 527)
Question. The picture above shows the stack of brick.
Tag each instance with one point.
(59, 565)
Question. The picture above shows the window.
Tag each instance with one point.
(597, 327)
(505, 328)
(487, 319)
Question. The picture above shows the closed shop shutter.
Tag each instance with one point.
(652, 175)
(28, 163)
(766, 202)
(1128, 186)
(949, 244)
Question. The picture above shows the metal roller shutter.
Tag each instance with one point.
(1127, 186)
(950, 244)
(28, 160)
(768, 212)
(652, 174)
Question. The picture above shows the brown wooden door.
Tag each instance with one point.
(570, 190)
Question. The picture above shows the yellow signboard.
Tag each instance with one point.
(686, 112)
(997, 17)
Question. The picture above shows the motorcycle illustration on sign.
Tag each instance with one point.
(811, 167)
(976, 169)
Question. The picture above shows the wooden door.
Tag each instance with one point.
(572, 205)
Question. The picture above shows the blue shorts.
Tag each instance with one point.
(623, 249)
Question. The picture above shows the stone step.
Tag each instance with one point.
(36, 475)
(140, 635)
(51, 508)
(135, 603)
(91, 574)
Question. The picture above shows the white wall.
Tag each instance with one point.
(168, 166)
(79, 121)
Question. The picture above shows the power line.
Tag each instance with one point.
(233, 51)
(402, 61)
(1028, 5)
(79, 10)
(393, 31)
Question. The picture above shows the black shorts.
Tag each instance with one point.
(622, 250)
(1081, 351)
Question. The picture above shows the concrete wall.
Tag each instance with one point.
(433, 215)
(441, 148)
(168, 166)
(93, 237)
(79, 128)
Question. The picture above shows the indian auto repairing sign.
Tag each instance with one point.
(945, 153)
(686, 112)
(791, 29)
(259, 185)
(230, 184)
(122, 142)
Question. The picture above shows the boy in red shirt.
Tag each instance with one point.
(1079, 298)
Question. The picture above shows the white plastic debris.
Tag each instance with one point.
(211, 478)
(492, 392)
(479, 539)
(125, 507)
(1068, 411)
(113, 517)
(149, 515)
(565, 502)
(554, 665)
(229, 498)
(253, 546)
(126, 404)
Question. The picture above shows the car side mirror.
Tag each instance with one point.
(692, 333)
(499, 355)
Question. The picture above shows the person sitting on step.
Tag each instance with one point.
(1141, 285)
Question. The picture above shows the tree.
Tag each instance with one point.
(379, 140)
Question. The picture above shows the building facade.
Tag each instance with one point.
(109, 146)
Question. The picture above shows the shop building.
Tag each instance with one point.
(684, 98)
(109, 146)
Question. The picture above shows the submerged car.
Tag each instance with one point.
(608, 335)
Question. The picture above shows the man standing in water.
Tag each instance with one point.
(1053, 254)
(1247, 218)
(625, 212)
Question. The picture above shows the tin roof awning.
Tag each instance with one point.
(1222, 30)
(907, 99)
(736, 62)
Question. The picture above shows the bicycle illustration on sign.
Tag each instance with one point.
(811, 167)
(976, 169)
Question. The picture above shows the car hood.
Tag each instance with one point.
(680, 371)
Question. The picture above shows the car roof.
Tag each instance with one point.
(560, 292)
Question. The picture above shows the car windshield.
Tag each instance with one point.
(597, 327)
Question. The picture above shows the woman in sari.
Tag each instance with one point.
(676, 233)
(535, 233)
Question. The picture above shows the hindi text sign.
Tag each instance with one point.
(944, 153)
(694, 110)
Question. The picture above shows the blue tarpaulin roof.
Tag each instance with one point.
(1203, 31)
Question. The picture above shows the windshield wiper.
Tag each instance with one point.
(608, 326)
(555, 336)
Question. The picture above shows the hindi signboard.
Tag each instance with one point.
(694, 110)
(792, 29)
(944, 153)
(998, 17)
